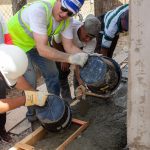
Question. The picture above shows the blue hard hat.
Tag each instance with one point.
(55, 115)
(101, 74)
(72, 5)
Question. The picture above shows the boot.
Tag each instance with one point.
(5, 136)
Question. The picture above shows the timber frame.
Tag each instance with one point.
(29, 141)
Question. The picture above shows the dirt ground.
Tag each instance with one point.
(107, 118)
(107, 128)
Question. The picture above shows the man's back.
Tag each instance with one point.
(112, 21)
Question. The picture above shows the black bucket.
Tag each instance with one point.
(55, 115)
(102, 74)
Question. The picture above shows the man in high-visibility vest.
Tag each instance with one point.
(33, 26)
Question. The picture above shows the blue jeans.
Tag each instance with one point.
(49, 72)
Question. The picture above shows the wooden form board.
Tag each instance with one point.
(21, 127)
(15, 117)
(28, 142)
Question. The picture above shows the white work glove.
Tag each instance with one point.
(80, 91)
(78, 59)
(35, 98)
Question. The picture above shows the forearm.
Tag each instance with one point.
(11, 103)
(49, 52)
(104, 51)
(73, 49)
(22, 84)
(69, 46)
(53, 54)
(77, 75)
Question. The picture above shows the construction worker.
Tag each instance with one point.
(84, 37)
(113, 23)
(4, 38)
(13, 64)
(32, 27)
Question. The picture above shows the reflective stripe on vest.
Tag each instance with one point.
(21, 34)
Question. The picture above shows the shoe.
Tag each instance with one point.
(35, 125)
(32, 118)
(5, 136)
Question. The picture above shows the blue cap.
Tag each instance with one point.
(72, 5)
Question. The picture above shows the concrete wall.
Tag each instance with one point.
(139, 76)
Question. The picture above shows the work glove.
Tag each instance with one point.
(80, 91)
(78, 59)
(35, 98)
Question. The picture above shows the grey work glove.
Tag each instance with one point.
(78, 59)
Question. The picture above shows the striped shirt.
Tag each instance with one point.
(112, 25)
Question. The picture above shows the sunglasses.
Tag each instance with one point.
(69, 13)
(91, 36)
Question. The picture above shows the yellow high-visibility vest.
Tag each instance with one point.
(21, 33)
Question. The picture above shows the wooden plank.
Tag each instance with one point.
(39, 133)
(73, 136)
(32, 138)
(79, 122)
(15, 117)
(89, 93)
(35, 136)
(24, 125)
(25, 146)
(123, 65)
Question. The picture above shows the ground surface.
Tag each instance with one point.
(107, 129)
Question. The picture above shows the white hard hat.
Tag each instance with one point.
(13, 63)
